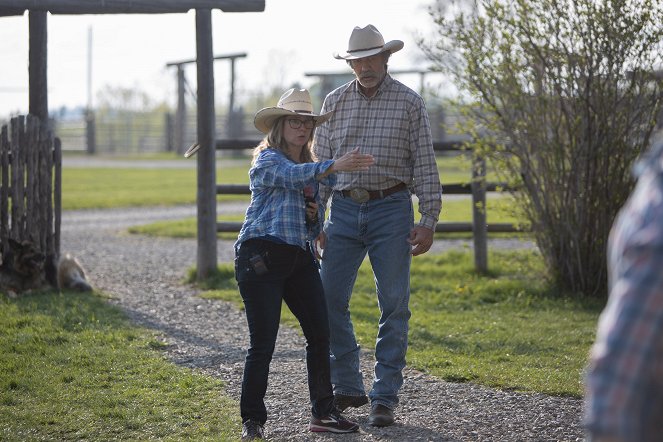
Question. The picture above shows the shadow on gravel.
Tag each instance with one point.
(207, 357)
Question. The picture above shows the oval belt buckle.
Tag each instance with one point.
(359, 195)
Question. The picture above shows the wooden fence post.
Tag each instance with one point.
(57, 194)
(90, 132)
(479, 224)
(206, 158)
(169, 137)
(37, 66)
(180, 115)
(4, 189)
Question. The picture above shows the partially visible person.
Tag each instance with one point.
(274, 261)
(372, 213)
(624, 380)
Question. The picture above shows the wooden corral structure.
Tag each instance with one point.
(180, 114)
(477, 188)
(206, 164)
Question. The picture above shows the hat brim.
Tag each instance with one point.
(265, 118)
(391, 46)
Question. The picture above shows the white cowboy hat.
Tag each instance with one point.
(367, 41)
(292, 102)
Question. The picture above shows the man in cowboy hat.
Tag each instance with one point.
(371, 212)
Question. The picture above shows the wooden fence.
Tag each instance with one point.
(30, 189)
(477, 188)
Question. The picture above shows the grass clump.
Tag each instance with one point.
(73, 368)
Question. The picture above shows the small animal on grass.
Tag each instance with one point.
(71, 275)
(22, 268)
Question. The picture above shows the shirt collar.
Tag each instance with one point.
(386, 82)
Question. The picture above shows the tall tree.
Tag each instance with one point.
(563, 95)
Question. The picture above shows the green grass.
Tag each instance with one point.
(72, 367)
(102, 187)
(506, 330)
(107, 187)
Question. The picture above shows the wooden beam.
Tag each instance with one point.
(18, 7)
(442, 227)
(180, 114)
(216, 57)
(447, 189)
(206, 161)
(37, 66)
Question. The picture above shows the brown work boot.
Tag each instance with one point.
(381, 416)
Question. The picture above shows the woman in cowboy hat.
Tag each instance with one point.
(372, 213)
(274, 260)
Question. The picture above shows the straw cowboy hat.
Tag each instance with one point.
(292, 102)
(367, 41)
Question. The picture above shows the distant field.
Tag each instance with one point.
(144, 183)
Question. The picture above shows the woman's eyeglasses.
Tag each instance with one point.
(296, 124)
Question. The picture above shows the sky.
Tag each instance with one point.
(287, 40)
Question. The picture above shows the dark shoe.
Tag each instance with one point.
(343, 401)
(381, 416)
(252, 430)
(334, 423)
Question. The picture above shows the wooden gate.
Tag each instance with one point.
(30, 190)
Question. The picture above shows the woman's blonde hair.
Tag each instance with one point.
(275, 140)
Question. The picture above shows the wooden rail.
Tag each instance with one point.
(443, 227)
(242, 144)
(477, 188)
(449, 189)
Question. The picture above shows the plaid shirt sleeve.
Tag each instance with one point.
(427, 185)
(624, 384)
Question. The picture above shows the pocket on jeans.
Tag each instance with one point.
(244, 269)
(400, 196)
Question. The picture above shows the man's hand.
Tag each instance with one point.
(319, 245)
(421, 239)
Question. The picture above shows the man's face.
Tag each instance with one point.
(370, 70)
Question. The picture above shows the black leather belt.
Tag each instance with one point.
(362, 195)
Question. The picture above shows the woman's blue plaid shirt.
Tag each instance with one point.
(277, 209)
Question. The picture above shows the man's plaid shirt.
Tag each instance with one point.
(394, 127)
(625, 374)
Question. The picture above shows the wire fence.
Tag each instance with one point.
(141, 133)
(135, 132)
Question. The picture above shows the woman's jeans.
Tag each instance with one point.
(291, 276)
(380, 228)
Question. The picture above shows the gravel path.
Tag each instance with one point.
(144, 276)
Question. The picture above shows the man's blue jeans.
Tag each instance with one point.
(380, 228)
(292, 277)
